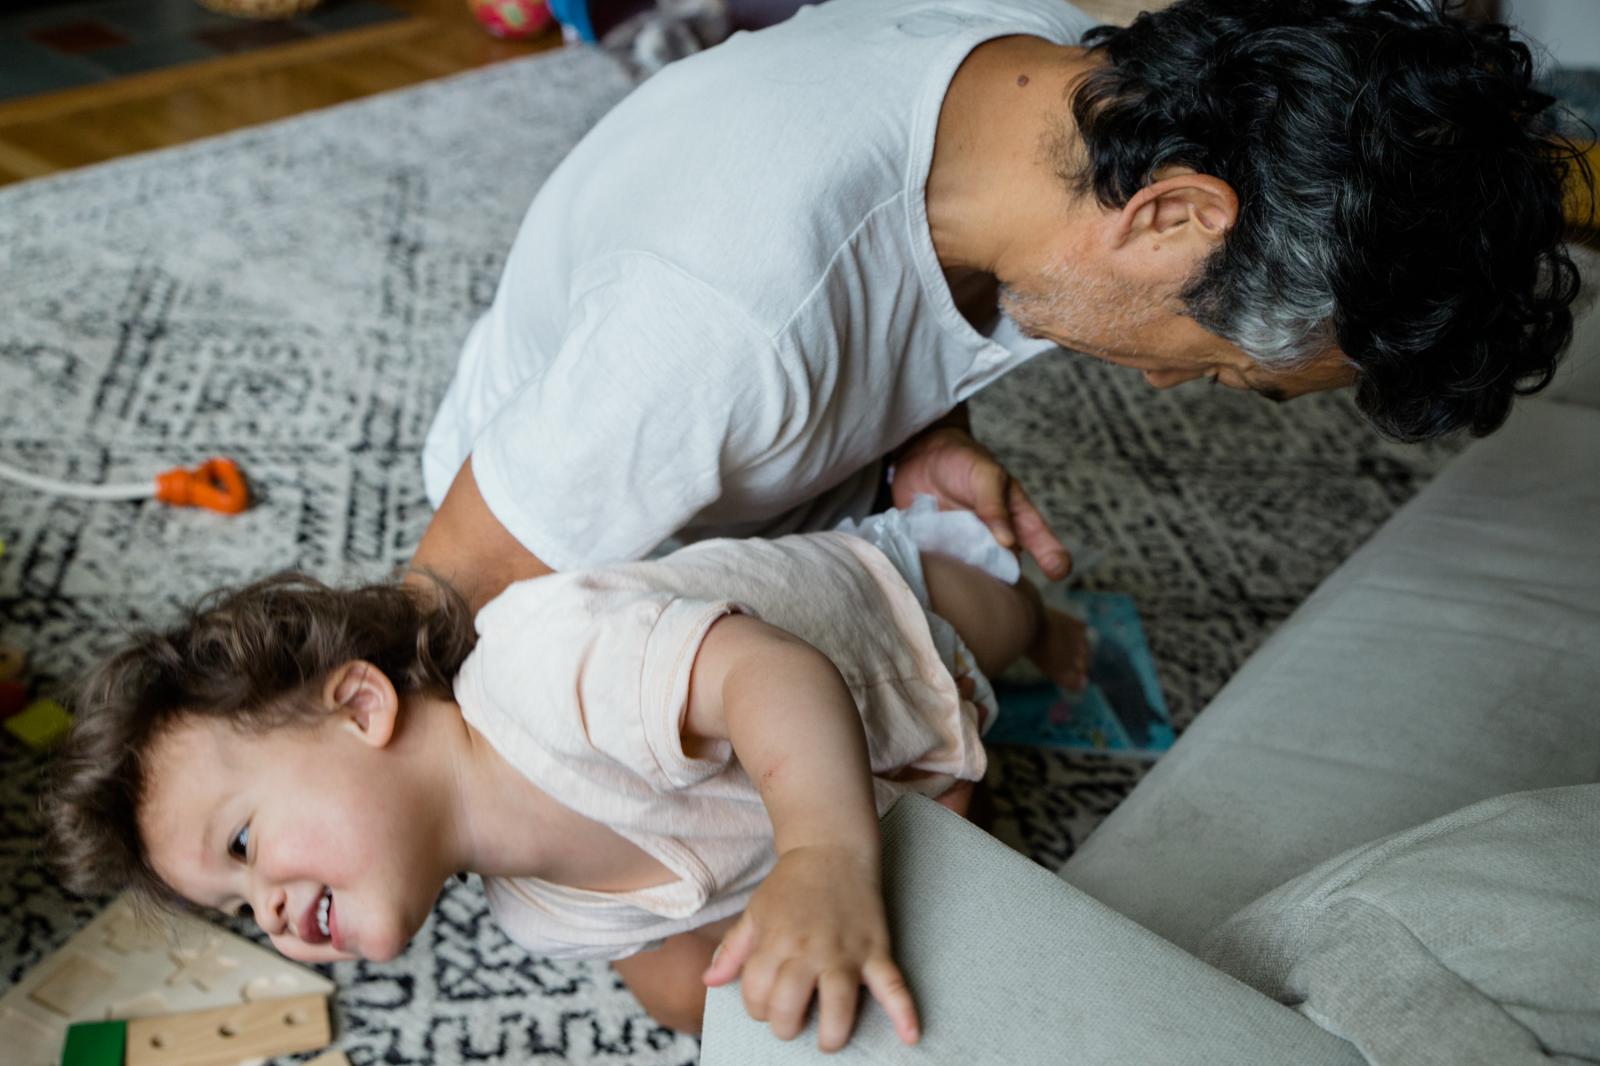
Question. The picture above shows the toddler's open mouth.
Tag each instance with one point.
(317, 925)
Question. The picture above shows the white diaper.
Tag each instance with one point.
(903, 535)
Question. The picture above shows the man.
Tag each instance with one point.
(730, 310)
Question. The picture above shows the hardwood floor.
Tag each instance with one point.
(58, 131)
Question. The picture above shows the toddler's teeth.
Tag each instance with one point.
(322, 912)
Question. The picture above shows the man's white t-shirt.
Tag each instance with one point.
(725, 306)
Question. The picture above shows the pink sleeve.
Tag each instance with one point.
(664, 689)
(595, 670)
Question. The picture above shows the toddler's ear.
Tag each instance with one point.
(365, 698)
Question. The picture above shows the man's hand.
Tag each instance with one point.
(948, 464)
(816, 925)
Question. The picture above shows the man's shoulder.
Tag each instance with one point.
(641, 294)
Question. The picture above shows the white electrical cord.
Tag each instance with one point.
(126, 491)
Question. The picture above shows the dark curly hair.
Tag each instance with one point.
(254, 656)
(1400, 184)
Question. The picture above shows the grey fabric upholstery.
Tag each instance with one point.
(1450, 660)
(1012, 966)
(1472, 940)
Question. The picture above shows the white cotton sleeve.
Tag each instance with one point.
(661, 388)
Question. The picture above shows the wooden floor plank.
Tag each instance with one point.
(43, 134)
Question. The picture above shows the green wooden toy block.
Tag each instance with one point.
(40, 724)
(95, 1044)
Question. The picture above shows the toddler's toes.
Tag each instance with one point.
(1062, 650)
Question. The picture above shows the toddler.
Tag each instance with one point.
(676, 764)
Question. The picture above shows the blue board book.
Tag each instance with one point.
(1122, 712)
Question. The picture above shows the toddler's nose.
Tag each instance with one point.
(271, 907)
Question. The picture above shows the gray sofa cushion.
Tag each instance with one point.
(1473, 939)
(1009, 966)
(1450, 660)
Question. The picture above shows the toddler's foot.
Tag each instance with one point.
(972, 801)
(1061, 650)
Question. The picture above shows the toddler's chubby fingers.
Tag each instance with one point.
(730, 956)
(888, 986)
(790, 998)
(837, 994)
(756, 987)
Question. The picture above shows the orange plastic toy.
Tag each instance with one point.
(216, 484)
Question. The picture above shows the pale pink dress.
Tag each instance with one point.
(580, 681)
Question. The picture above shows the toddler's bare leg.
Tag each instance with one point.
(1001, 622)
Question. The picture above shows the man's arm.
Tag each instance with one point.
(467, 546)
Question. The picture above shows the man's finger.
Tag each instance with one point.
(1037, 538)
(731, 954)
(889, 988)
(989, 482)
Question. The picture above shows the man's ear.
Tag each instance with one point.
(1182, 214)
(365, 699)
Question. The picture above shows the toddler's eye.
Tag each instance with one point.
(239, 846)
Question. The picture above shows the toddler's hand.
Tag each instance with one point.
(816, 924)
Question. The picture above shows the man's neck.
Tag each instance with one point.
(994, 185)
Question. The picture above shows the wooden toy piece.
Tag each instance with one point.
(224, 1035)
(26, 1039)
(118, 966)
(203, 966)
(215, 1037)
(13, 661)
(71, 985)
(121, 931)
(95, 1044)
(40, 724)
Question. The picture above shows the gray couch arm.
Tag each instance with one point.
(1010, 965)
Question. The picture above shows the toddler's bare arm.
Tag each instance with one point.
(816, 924)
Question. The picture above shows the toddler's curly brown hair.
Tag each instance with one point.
(254, 656)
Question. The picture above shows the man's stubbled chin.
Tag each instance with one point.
(1065, 302)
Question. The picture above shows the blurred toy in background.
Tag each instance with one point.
(38, 723)
(216, 485)
(666, 32)
(649, 34)
(1122, 711)
(513, 20)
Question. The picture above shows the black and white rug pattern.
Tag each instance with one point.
(294, 296)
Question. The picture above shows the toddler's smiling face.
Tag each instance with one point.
(319, 828)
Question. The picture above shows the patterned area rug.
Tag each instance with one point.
(294, 297)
